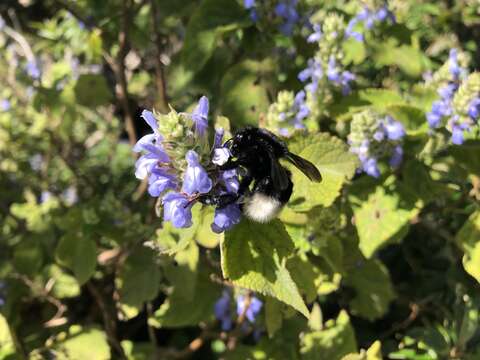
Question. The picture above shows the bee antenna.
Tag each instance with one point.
(228, 142)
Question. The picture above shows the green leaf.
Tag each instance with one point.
(204, 235)
(7, 346)
(303, 273)
(333, 160)
(28, 256)
(254, 256)
(468, 239)
(382, 213)
(183, 272)
(373, 289)
(243, 95)
(92, 90)
(467, 156)
(378, 99)
(139, 278)
(411, 117)
(273, 315)
(336, 340)
(83, 344)
(209, 21)
(79, 254)
(410, 60)
(179, 311)
(65, 286)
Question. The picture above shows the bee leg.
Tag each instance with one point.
(218, 200)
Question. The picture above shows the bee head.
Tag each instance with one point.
(235, 144)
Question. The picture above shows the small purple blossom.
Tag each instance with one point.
(316, 35)
(200, 115)
(314, 72)
(253, 309)
(2, 23)
(342, 78)
(177, 210)
(394, 129)
(5, 105)
(474, 108)
(397, 156)
(287, 10)
(370, 166)
(33, 70)
(196, 179)
(368, 18)
(223, 312)
(225, 218)
(159, 181)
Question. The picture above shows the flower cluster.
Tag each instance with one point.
(373, 137)
(367, 18)
(285, 11)
(287, 113)
(173, 162)
(459, 103)
(223, 311)
(327, 62)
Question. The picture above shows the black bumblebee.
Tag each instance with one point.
(257, 152)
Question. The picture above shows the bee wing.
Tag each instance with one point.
(305, 166)
(279, 174)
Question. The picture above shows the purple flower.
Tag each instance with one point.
(33, 70)
(370, 166)
(313, 72)
(2, 23)
(446, 92)
(248, 4)
(287, 10)
(225, 218)
(397, 156)
(159, 181)
(146, 163)
(316, 35)
(177, 210)
(454, 67)
(457, 135)
(222, 311)
(70, 195)
(230, 180)
(394, 129)
(5, 105)
(149, 139)
(474, 108)
(218, 139)
(45, 196)
(196, 179)
(199, 116)
(301, 109)
(253, 309)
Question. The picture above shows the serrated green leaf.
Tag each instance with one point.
(210, 19)
(78, 253)
(410, 60)
(303, 273)
(84, 344)
(333, 160)
(139, 278)
(336, 340)
(373, 289)
(254, 256)
(382, 213)
(468, 239)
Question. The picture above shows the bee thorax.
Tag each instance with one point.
(261, 208)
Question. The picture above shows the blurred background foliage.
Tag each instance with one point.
(386, 267)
